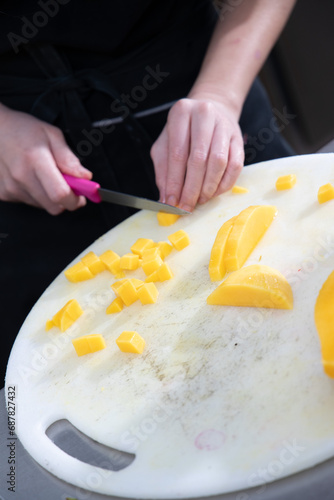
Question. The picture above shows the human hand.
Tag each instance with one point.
(33, 154)
(199, 154)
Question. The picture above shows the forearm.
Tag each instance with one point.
(240, 45)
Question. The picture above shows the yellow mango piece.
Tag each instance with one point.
(164, 248)
(150, 253)
(140, 245)
(148, 293)
(137, 283)
(254, 286)
(130, 342)
(286, 182)
(179, 240)
(49, 324)
(152, 264)
(127, 292)
(167, 219)
(111, 260)
(325, 193)
(152, 277)
(116, 285)
(248, 228)
(324, 321)
(129, 261)
(239, 190)
(116, 306)
(88, 344)
(164, 272)
(78, 272)
(93, 262)
(66, 316)
(217, 268)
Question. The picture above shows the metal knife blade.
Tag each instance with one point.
(137, 202)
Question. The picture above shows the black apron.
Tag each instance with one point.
(35, 246)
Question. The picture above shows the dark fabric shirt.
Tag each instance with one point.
(116, 27)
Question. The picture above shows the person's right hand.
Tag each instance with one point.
(33, 154)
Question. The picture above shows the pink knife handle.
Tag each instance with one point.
(84, 187)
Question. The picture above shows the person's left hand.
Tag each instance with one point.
(199, 154)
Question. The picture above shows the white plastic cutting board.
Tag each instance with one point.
(222, 398)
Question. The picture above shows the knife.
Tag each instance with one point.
(93, 191)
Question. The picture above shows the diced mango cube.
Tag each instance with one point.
(137, 283)
(116, 285)
(152, 277)
(130, 341)
(129, 261)
(141, 245)
(167, 219)
(286, 182)
(93, 262)
(164, 272)
(66, 316)
(179, 240)
(326, 193)
(151, 253)
(111, 260)
(116, 306)
(152, 264)
(128, 293)
(78, 272)
(239, 190)
(148, 293)
(88, 344)
(164, 248)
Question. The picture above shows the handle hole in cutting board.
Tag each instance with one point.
(76, 444)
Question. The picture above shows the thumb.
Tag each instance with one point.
(65, 159)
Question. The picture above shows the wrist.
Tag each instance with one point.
(218, 93)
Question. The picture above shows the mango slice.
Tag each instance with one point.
(217, 268)
(93, 262)
(179, 239)
(239, 190)
(286, 182)
(78, 272)
(130, 341)
(129, 261)
(116, 306)
(248, 228)
(140, 245)
(66, 316)
(88, 344)
(254, 286)
(325, 193)
(167, 219)
(148, 293)
(324, 322)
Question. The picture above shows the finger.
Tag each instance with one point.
(178, 126)
(217, 162)
(12, 192)
(58, 192)
(65, 160)
(202, 127)
(159, 155)
(234, 166)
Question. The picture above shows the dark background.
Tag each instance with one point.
(299, 74)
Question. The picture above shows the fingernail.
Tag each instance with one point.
(171, 200)
(187, 208)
